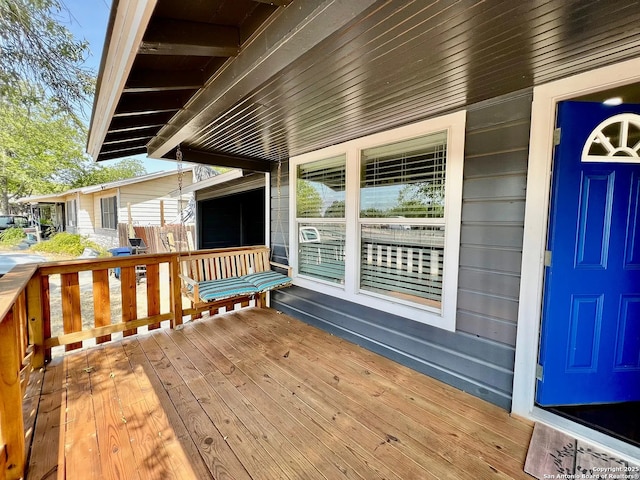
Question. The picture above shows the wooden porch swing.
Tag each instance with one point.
(225, 276)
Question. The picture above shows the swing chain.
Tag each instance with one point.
(181, 213)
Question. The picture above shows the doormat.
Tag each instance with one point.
(554, 455)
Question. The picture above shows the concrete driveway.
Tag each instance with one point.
(10, 259)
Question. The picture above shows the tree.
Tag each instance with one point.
(37, 49)
(95, 174)
(42, 151)
(41, 147)
(421, 199)
(308, 200)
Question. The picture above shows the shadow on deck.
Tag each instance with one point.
(255, 394)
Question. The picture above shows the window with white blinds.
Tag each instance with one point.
(402, 185)
(404, 179)
(320, 204)
(108, 211)
(377, 220)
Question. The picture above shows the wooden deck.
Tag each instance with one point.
(258, 395)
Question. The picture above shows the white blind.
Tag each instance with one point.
(403, 263)
(404, 179)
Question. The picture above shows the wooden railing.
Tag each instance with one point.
(16, 289)
(27, 298)
(160, 272)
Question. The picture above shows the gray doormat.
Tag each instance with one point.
(555, 455)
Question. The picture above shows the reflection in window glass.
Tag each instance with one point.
(320, 190)
(321, 251)
(404, 179)
(404, 263)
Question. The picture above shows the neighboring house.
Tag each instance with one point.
(95, 211)
(407, 150)
(229, 209)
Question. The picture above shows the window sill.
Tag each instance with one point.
(427, 315)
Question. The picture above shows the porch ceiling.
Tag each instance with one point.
(244, 83)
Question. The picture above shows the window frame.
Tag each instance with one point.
(114, 214)
(71, 213)
(312, 222)
(445, 316)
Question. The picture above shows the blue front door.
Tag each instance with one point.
(590, 339)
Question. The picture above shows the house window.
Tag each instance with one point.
(378, 220)
(71, 213)
(401, 224)
(320, 201)
(109, 213)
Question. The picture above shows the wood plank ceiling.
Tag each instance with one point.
(245, 83)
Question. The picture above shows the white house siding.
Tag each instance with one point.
(105, 237)
(85, 215)
(145, 198)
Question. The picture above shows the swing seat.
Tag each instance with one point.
(219, 277)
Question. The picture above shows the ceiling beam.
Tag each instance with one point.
(158, 81)
(179, 37)
(291, 34)
(127, 24)
(127, 152)
(220, 159)
(136, 139)
(130, 134)
(139, 103)
(278, 3)
(123, 145)
(125, 124)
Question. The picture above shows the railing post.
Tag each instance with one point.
(11, 423)
(176, 295)
(36, 319)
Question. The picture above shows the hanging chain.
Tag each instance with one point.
(180, 179)
(279, 225)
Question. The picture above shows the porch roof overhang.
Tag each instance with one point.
(245, 83)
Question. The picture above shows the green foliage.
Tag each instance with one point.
(422, 200)
(37, 49)
(95, 174)
(69, 244)
(335, 210)
(12, 236)
(41, 148)
(309, 202)
(42, 151)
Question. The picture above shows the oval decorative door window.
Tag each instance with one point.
(617, 139)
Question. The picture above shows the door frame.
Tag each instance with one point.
(538, 196)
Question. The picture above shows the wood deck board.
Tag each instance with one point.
(262, 373)
(182, 452)
(116, 453)
(216, 395)
(330, 464)
(46, 459)
(81, 443)
(412, 404)
(259, 395)
(389, 424)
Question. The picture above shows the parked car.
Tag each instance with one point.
(21, 221)
(13, 221)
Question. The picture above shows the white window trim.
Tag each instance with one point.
(543, 116)
(116, 211)
(445, 318)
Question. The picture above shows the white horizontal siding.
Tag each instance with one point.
(144, 200)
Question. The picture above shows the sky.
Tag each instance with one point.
(87, 19)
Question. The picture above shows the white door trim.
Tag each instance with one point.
(545, 98)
